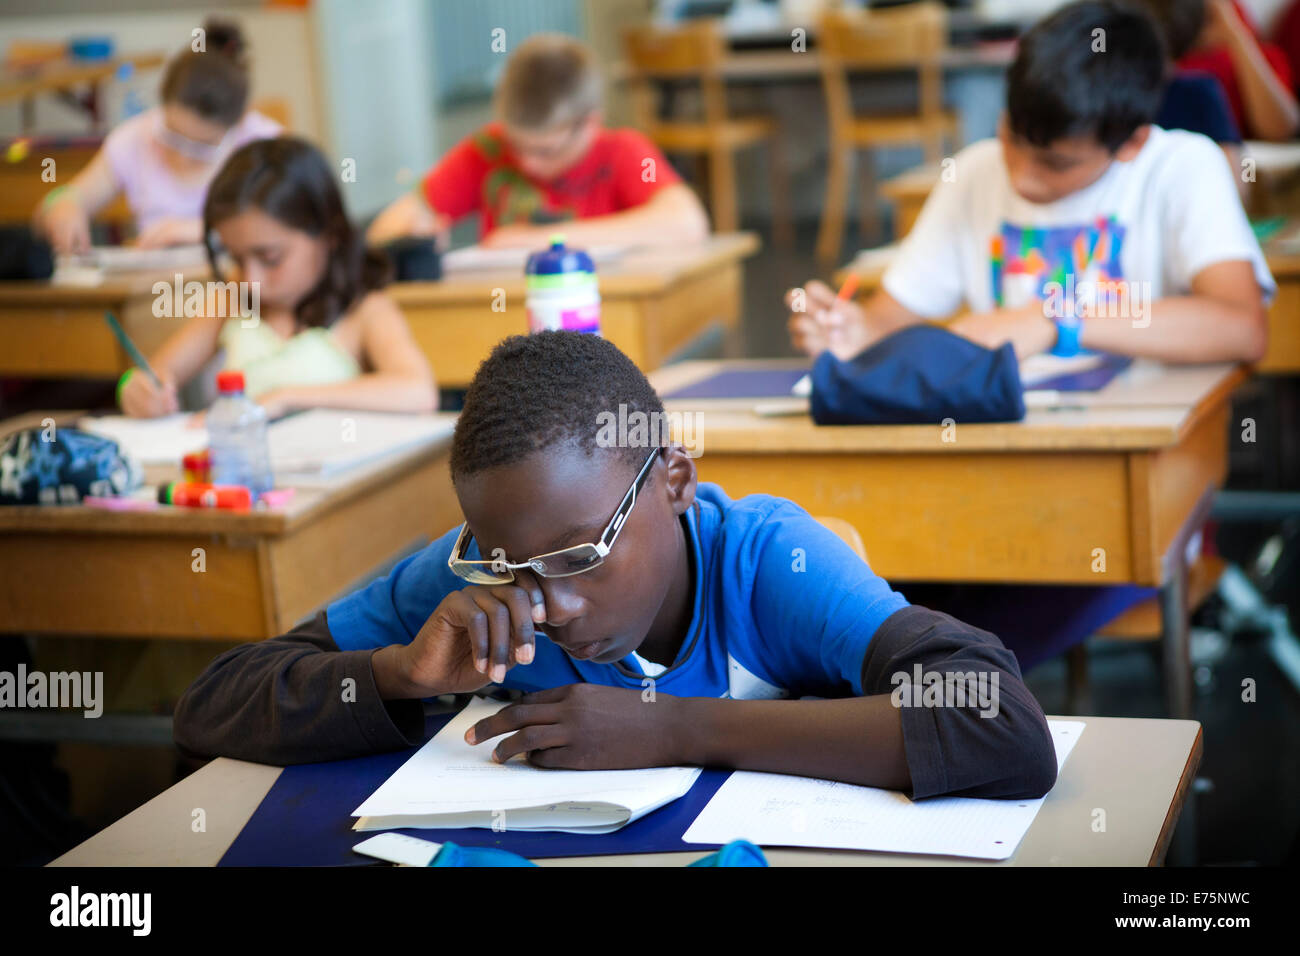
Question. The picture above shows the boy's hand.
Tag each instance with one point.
(584, 727)
(470, 640)
(826, 323)
(1027, 328)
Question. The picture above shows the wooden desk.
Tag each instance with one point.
(1282, 356)
(1025, 502)
(1138, 769)
(654, 303)
(86, 571)
(61, 76)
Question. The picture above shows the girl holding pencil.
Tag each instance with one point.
(327, 334)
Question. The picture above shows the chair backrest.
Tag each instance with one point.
(902, 37)
(692, 51)
(846, 532)
(913, 37)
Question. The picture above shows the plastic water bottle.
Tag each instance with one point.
(237, 438)
(561, 288)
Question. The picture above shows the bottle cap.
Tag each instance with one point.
(230, 382)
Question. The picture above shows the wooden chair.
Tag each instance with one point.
(911, 38)
(696, 52)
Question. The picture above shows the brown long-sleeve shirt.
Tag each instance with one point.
(299, 699)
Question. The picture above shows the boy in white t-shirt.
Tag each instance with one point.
(1082, 226)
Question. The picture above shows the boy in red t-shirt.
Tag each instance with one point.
(547, 159)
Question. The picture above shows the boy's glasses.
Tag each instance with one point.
(554, 564)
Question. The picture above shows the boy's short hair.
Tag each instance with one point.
(1069, 80)
(1180, 21)
(550, 80)
(547, 390)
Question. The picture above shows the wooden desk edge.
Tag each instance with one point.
(1180, 798)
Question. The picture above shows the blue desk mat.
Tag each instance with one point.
(742, 383)
(1089, 380)
(306, 819)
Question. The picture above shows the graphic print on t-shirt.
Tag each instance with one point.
(1076, 264)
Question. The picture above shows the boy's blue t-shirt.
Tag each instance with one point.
(783, 608)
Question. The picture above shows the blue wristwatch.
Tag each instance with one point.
(1067, 337)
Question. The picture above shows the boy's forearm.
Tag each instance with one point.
(857, 740)
(1182, 329)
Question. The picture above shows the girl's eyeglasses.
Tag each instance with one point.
(554, 564)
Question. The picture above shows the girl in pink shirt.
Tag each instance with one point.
(164, 158)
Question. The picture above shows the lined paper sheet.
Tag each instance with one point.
(448, 783)
(772, 809)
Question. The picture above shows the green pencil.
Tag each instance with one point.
(136, 355)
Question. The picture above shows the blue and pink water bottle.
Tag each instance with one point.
(561, 290)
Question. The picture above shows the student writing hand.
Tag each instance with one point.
(470, 640)
(584, 727)
(825, 322)
(141, 398)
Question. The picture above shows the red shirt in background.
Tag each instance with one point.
(1218, 63)
(479, 174)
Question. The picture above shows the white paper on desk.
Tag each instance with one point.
(150, 441)
(480, 259)
(317, 443)
(449, 783)
(135, 259)
(772, 809)
(324, 442)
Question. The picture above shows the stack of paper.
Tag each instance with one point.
(773, 809)
(451, 784)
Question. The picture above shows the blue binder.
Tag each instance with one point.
(306, 819)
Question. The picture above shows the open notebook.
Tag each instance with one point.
(317, 443)
(450, 784)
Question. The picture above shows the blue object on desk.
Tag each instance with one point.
(306, 819)
(742, 383)
(919, 375)
(92, 48)
(1089, 380)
